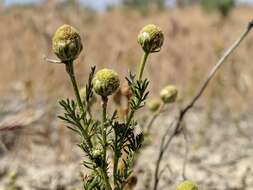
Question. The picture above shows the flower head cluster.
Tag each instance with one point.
(153, 105)
(169, 94)
(187, 185)
(106, 82)
(67, 43)
(151, 38)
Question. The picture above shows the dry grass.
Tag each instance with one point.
(194, 41)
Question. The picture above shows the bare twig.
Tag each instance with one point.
(177, 126)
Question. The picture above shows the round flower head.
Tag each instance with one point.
(153, 105)
(106, 82)
(169, 94)
(187, 185)
(67, 43)
(151, 38)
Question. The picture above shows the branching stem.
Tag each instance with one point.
(177, 126)
(104, 134)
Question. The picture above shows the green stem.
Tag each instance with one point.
(70, 71)
(129, 118)
(115, 161)
(142, 65)
(104, 134)
(105, 177)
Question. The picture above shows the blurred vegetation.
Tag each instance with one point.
(144, 5)
(224, 7)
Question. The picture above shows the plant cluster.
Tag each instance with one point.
(223, 7)
(145, 5)
(110, 145)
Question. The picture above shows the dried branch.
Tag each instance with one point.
(177, 126)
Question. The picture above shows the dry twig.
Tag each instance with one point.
(177, 129)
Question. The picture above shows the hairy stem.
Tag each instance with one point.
(104, 136)
(70, 71)
(142, 65)
(115, 161)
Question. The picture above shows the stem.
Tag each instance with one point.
(104, 107)
(104, 134)
(131, 114)
(142, 65)
(115, 162)
(218, 65)
(70, 71)
(153, 118)
(177, 126)
(105, 177)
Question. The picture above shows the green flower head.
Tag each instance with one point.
(151, 38)
(106, 82)
(169, 94)
(67, 43)
(153, 105)
(187, 185)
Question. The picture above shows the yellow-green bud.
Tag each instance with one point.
(97, 152)
(106, 82)
(169, 94)
(83, 96)
(187, 185)
(153, 105)
(151, 38)
(67, 43)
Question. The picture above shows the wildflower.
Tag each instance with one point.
(169, 94)
(106, 82)
(151, 38)
(187, 185)
(153, 105)
(67, 43)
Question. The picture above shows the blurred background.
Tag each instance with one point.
(37, 152)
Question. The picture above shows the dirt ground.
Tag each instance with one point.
(220, 154)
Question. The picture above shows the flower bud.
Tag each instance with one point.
(153, 105)
(151, 38)
(106, 82)
(97, 152)
(67, 43)
(97, 155)
(169, 94)
(187, 185)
